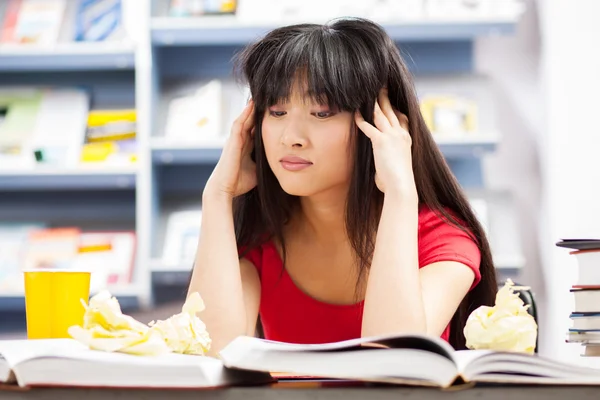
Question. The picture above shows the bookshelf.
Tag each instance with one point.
(227, 30)
(64, 179)
(68, 57)
(169, 53)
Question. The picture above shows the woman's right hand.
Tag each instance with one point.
(235, 173)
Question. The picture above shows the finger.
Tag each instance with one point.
(369, 130)
(238, 125)
(248, 124)
(381, 121)
(402, 119)
(249, 143)
(386, 107)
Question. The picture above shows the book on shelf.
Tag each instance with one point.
(98, 20)
(197, 8)
(414, 360)
(68, 363)
(449, 114)
(13, 244)
(108, 255)
(42, 126)
(110, 138)
(35, 22)
(181, 237)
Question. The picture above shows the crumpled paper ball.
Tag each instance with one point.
(507, 326)
(106, 328)
(185, 333)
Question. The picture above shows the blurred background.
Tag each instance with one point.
(113, 114)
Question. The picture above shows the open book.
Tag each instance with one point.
(407, 359)
(66, 362)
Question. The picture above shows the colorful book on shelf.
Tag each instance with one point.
(60, 127)
(39, 21)
(13, 244)
(198, 117)
(98, 20)
(449, 114)
(181, 237)
(110, 138)
(19, 107)
(51, 248)
(10, 14)
(109, 255)
(196, 8)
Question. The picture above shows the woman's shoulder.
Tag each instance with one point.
(259, 253)
(432, 219)
(440, 239)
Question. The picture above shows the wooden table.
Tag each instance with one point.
(314, 392)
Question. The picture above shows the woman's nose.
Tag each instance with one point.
(293, 136)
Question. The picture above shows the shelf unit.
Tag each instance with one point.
(68, 57)
(139, 74)
(227, 30)
(64, 179)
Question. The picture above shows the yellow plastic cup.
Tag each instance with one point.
(53, 302)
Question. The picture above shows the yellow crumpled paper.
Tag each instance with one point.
(106, 328)
(507, 326)
(184, 332)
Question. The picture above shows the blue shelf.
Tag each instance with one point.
(67, 57)
(168, 31)
(164, 153)
(453, 148)
(465, 147)
(80, 179)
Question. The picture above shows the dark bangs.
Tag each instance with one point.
(327, 64)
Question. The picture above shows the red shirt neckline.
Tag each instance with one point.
(270, 246)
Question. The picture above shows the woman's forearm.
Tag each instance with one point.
(216, 274)
(393, 300)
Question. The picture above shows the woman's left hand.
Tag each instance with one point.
(391, 147)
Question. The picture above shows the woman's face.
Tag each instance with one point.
(307, 146)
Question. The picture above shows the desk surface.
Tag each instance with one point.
(315, 393)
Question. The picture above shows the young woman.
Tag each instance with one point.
(332, 214)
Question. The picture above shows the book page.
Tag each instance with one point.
(17, 351)
(420, 342)
(5, 371)
(463, 358)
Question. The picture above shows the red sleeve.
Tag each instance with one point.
(441, 241)
(254, 256)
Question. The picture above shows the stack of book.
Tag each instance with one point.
(585, 317)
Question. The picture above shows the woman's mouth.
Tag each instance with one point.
(293, 163)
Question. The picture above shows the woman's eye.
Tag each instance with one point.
(323, 114)
(277, 113)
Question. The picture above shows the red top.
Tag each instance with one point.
(290, 315)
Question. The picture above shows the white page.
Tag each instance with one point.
(17, 351)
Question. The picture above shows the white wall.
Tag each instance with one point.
(570, 62)
(548, 79)
(513, 63)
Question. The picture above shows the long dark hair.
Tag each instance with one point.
(345, 63)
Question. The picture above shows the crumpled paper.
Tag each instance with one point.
(507, 326)
(185, 333)
(106, 328)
